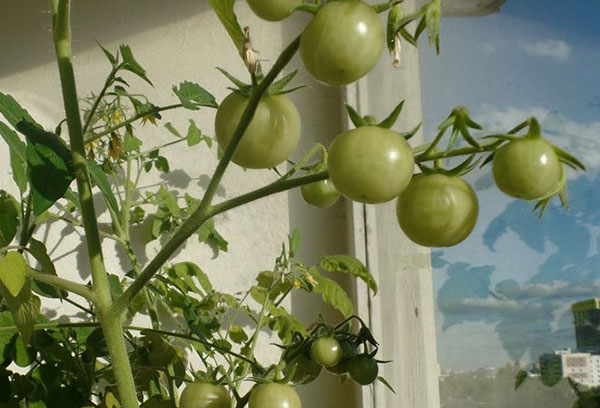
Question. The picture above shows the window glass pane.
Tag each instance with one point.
(507, 297)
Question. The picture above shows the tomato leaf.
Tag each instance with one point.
(131, 65)
(192, 96)
(224, 10)
(38, 250)
(520, 378)
(13, 112)
(194, 135)
(5, 337)
(332, 293)
(13, 272)
(17, 156)
(349, 265)
(111, 58)
(284, 324)
(190, 269)
(49, 166)
(9, 218)
(24, 309)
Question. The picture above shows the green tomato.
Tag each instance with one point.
(204, 395)
(363, 369)
(274, 395)
(305, 370)
(271, 136)
(437, 210)
(273, 10)
(321, 194)
(526, 168)
(348, 352)
(370, 164)
(342, 43)
(326, 351)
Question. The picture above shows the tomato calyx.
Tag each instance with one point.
(278, 87)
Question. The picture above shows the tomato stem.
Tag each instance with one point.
(535, 130)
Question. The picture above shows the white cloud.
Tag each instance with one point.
(556, 49)
(580, 139)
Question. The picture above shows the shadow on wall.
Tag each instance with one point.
(31, 20)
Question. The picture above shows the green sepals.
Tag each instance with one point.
(386, 383)
(461, 125)
(408, 135)
(192, 96)
(458, 171)
(429, 17)
(355, 117)
(535, 130)
(131, 65)
(568, 159)
(391, 119)
(559, 189)
(276, 88)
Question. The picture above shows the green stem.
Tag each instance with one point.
(130, 121)
(61, 283)
(463, 151)
(25, 227)
(107, 83)
(111, 323)
(202, 213)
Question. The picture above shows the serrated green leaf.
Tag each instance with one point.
(520, 378)
(193, 270)
(285, 324)
(24, 309)
(332, 293)
(38, 250)
(9, 218)
(103, 184)
(49, 166)
(225, 12)
(131, 65)
(162, 164)
(194, 135)
(5, 338)
(13, 112)
(131, 143)
(13, 272)
(237, 334)
(349, 265)
(192, 96)
(111, 58)
(18, 158)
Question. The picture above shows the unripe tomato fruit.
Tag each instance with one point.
(204, 395)
(306, 370)
(363, 369)
(342, 42)
(526, 168)
(370, 164)
(274, 395)
(326, 351)
(437, 210)
(271, 136)
(273, 10)
(348, 352)
(320, 194)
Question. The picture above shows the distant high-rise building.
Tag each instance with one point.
(587, 325)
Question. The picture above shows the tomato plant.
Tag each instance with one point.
(526, 167)
(271, 136)
(320, 194)
(273, 10)
(274, 395)
(326, 351)
(363, 369)
(437, 210)
(204, 395)
(370, 164)
(342, 43)
(105, 361)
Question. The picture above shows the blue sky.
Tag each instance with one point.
(506, 291)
